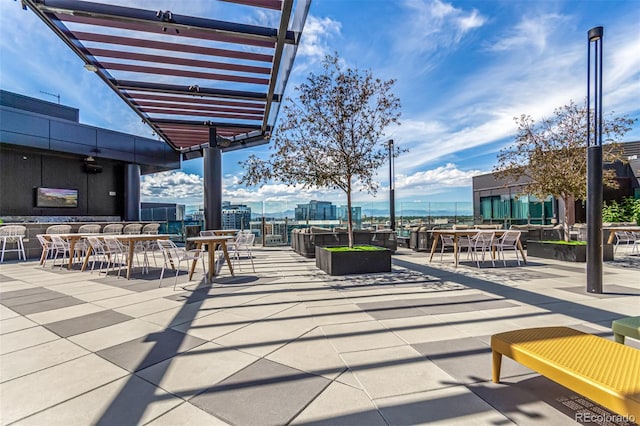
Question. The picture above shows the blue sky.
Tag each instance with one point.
(464, 70)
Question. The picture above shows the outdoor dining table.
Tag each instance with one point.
(212, 242)
(457, 233)
(225, 232)
(613, 229)
(72, 239)
(129, 239)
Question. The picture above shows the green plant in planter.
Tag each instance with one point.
(354, 248)
(565, 243)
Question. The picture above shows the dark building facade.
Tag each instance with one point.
(496, 200)
(43, 145)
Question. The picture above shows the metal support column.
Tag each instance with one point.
(212, 183)
(594, 163)
(132, 193)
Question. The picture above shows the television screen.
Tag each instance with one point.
(56, 197)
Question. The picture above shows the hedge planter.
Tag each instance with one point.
(563, 251)
(359, 260)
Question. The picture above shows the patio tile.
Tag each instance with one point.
(125, 300)
(359, 336)
(148, 307)
(126, 401)
(64, 313)
(338, 314)
(609, 291)
(17, 323)
(185, 313)
(312, 353)
(103, 292)
(46, 305)
(82, 324)
(147, 350)
(276, 393)
(54, 385)
(192, 372)
(25, 338)
(114, 334)
(6, 295)
(6, 313)
(266, 335)
(187, 414)
(477, 323)
(212, 325)
(340, 404)
(533, 399)
(34, 358)
(448, 406)
(467, 360)
(394, 371)
(422, 329)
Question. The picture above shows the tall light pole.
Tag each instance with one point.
(392, 201)
(594, 162)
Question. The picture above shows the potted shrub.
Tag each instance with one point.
(353, 260)
(332, 135)
(571, 251)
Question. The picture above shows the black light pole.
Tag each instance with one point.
(594, 163)
(392, 201)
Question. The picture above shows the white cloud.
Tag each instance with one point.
(314, 44)
(530, 31)
(433, 24)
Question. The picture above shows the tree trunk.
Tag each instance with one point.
(569, 214)
(349, 218)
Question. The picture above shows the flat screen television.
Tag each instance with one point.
(56, 197)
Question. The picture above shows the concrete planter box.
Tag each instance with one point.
(569, 253)
(353, 262)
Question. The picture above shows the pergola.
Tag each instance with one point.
(204, 85)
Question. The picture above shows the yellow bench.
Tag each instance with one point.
(604, 371)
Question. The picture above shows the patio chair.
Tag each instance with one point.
(100, 252)
(46, 249)
(174, 256)
(482, 242)
(243, 243)
(445, 241)
(623, 237)
(113, 228)
(13, 234)
(508, 241)
(132, 229)
(151, 228)
(89, 229)
(59, 246)
(117, 253)
(636, 243)
(59, 229)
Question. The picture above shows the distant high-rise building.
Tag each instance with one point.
(236, 216)
(316, 210)
(356, 215)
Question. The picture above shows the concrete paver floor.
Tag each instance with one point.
(292, 345)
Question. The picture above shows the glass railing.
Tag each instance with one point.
(273, 222)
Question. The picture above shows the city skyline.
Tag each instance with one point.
(463, 71)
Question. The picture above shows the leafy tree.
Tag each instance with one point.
(550, 155)
(330, 135)
(626, 211)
